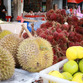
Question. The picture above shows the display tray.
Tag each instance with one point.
(22, 76)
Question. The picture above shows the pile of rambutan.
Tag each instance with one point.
(61, 35)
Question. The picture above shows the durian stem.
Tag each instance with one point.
(0, 29)
(21, 32)
(25, 28)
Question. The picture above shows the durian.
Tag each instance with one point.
(4, 33)
(35, 54)
(7, 64)
(11, 43)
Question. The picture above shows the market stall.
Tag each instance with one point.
(52, 52)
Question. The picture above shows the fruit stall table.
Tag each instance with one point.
(22, 76)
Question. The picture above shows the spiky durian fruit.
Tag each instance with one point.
(35, 54)
(4, 33)
(7, 64)
(11, 43)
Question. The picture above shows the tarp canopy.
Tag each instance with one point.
(74, 1)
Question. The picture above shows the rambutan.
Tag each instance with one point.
(43, 35)
(55, 35)
(53, 17)
(79, 37)
(73, 44)
(25, 35)
(39, 31)
(48, 24)
(72, 36)
(50, 38)
(65, 27)
(58, 11)
(48, 14)
(54, 52)
(79, 29)
(55, 59)
(58, 30)
(61, 58)
(66, 34)
(42, 25)
(81, 22)
(63, 12)
(54, 43)
(48, 32)
(74, 18)
(81, 43)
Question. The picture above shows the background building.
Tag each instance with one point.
(15, 7)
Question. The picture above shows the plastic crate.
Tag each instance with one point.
(51, 79)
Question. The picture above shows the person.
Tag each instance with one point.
(31, 12)
(67, 11)
(71, 10)
(55, 7)
(3, 11)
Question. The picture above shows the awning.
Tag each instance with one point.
(74, 1)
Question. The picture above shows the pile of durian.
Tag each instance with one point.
(33, 54)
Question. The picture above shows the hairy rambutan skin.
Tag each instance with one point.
(60, 34)
(63, 12)
(65, 27)
(39, 31)
(53, 17)
(43, 35)
(50, 38)
(48, 14)
(79, 29)
(25, 35)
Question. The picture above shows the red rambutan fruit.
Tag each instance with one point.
(53, 17)
(39, 31)
(43, 35)
(65, 27)
(55, 35)
(50, 38)
(25, 35)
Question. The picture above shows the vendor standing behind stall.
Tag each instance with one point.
(2, 11)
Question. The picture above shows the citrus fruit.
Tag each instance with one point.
(71, 53)
(80, 52)
(77, 74)
(81, 65)
(67, 76)
(71, 67)
(56, 74)
(78, 77)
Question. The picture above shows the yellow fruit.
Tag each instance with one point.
(80, 52)
(56, 74)
(78, 78)
(77, 74)
(71, 53)
(74, 52)
(67, 76)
